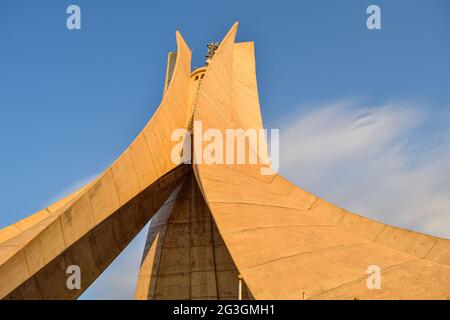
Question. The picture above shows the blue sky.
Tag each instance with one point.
(71, 101)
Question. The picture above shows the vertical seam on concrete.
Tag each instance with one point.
(115, 188)
(189, 184)
(91, 207)
(432, 247)
(116, 240)
(194, 104)
(38, 286)
(379, 233)
(134, 170)
(62, 230)
(341, 218)
(31, 276)
(163, 240)
(213, 251)
(26, 261)
(149, 152)
(313, 204)
(138, 178)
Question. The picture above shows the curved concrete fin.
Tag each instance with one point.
(91, 227)
(286, 242)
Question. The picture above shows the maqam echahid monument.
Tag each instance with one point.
(212, 225)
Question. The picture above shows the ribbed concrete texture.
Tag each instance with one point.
(210, 223)
(185, 256)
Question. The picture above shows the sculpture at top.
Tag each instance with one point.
(212, 47)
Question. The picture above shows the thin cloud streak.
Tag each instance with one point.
(378, 161)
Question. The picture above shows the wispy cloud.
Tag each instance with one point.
(386, 162)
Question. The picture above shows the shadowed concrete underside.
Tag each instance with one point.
(185, 256)
(100, 246)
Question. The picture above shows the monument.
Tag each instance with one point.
(217, 230)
